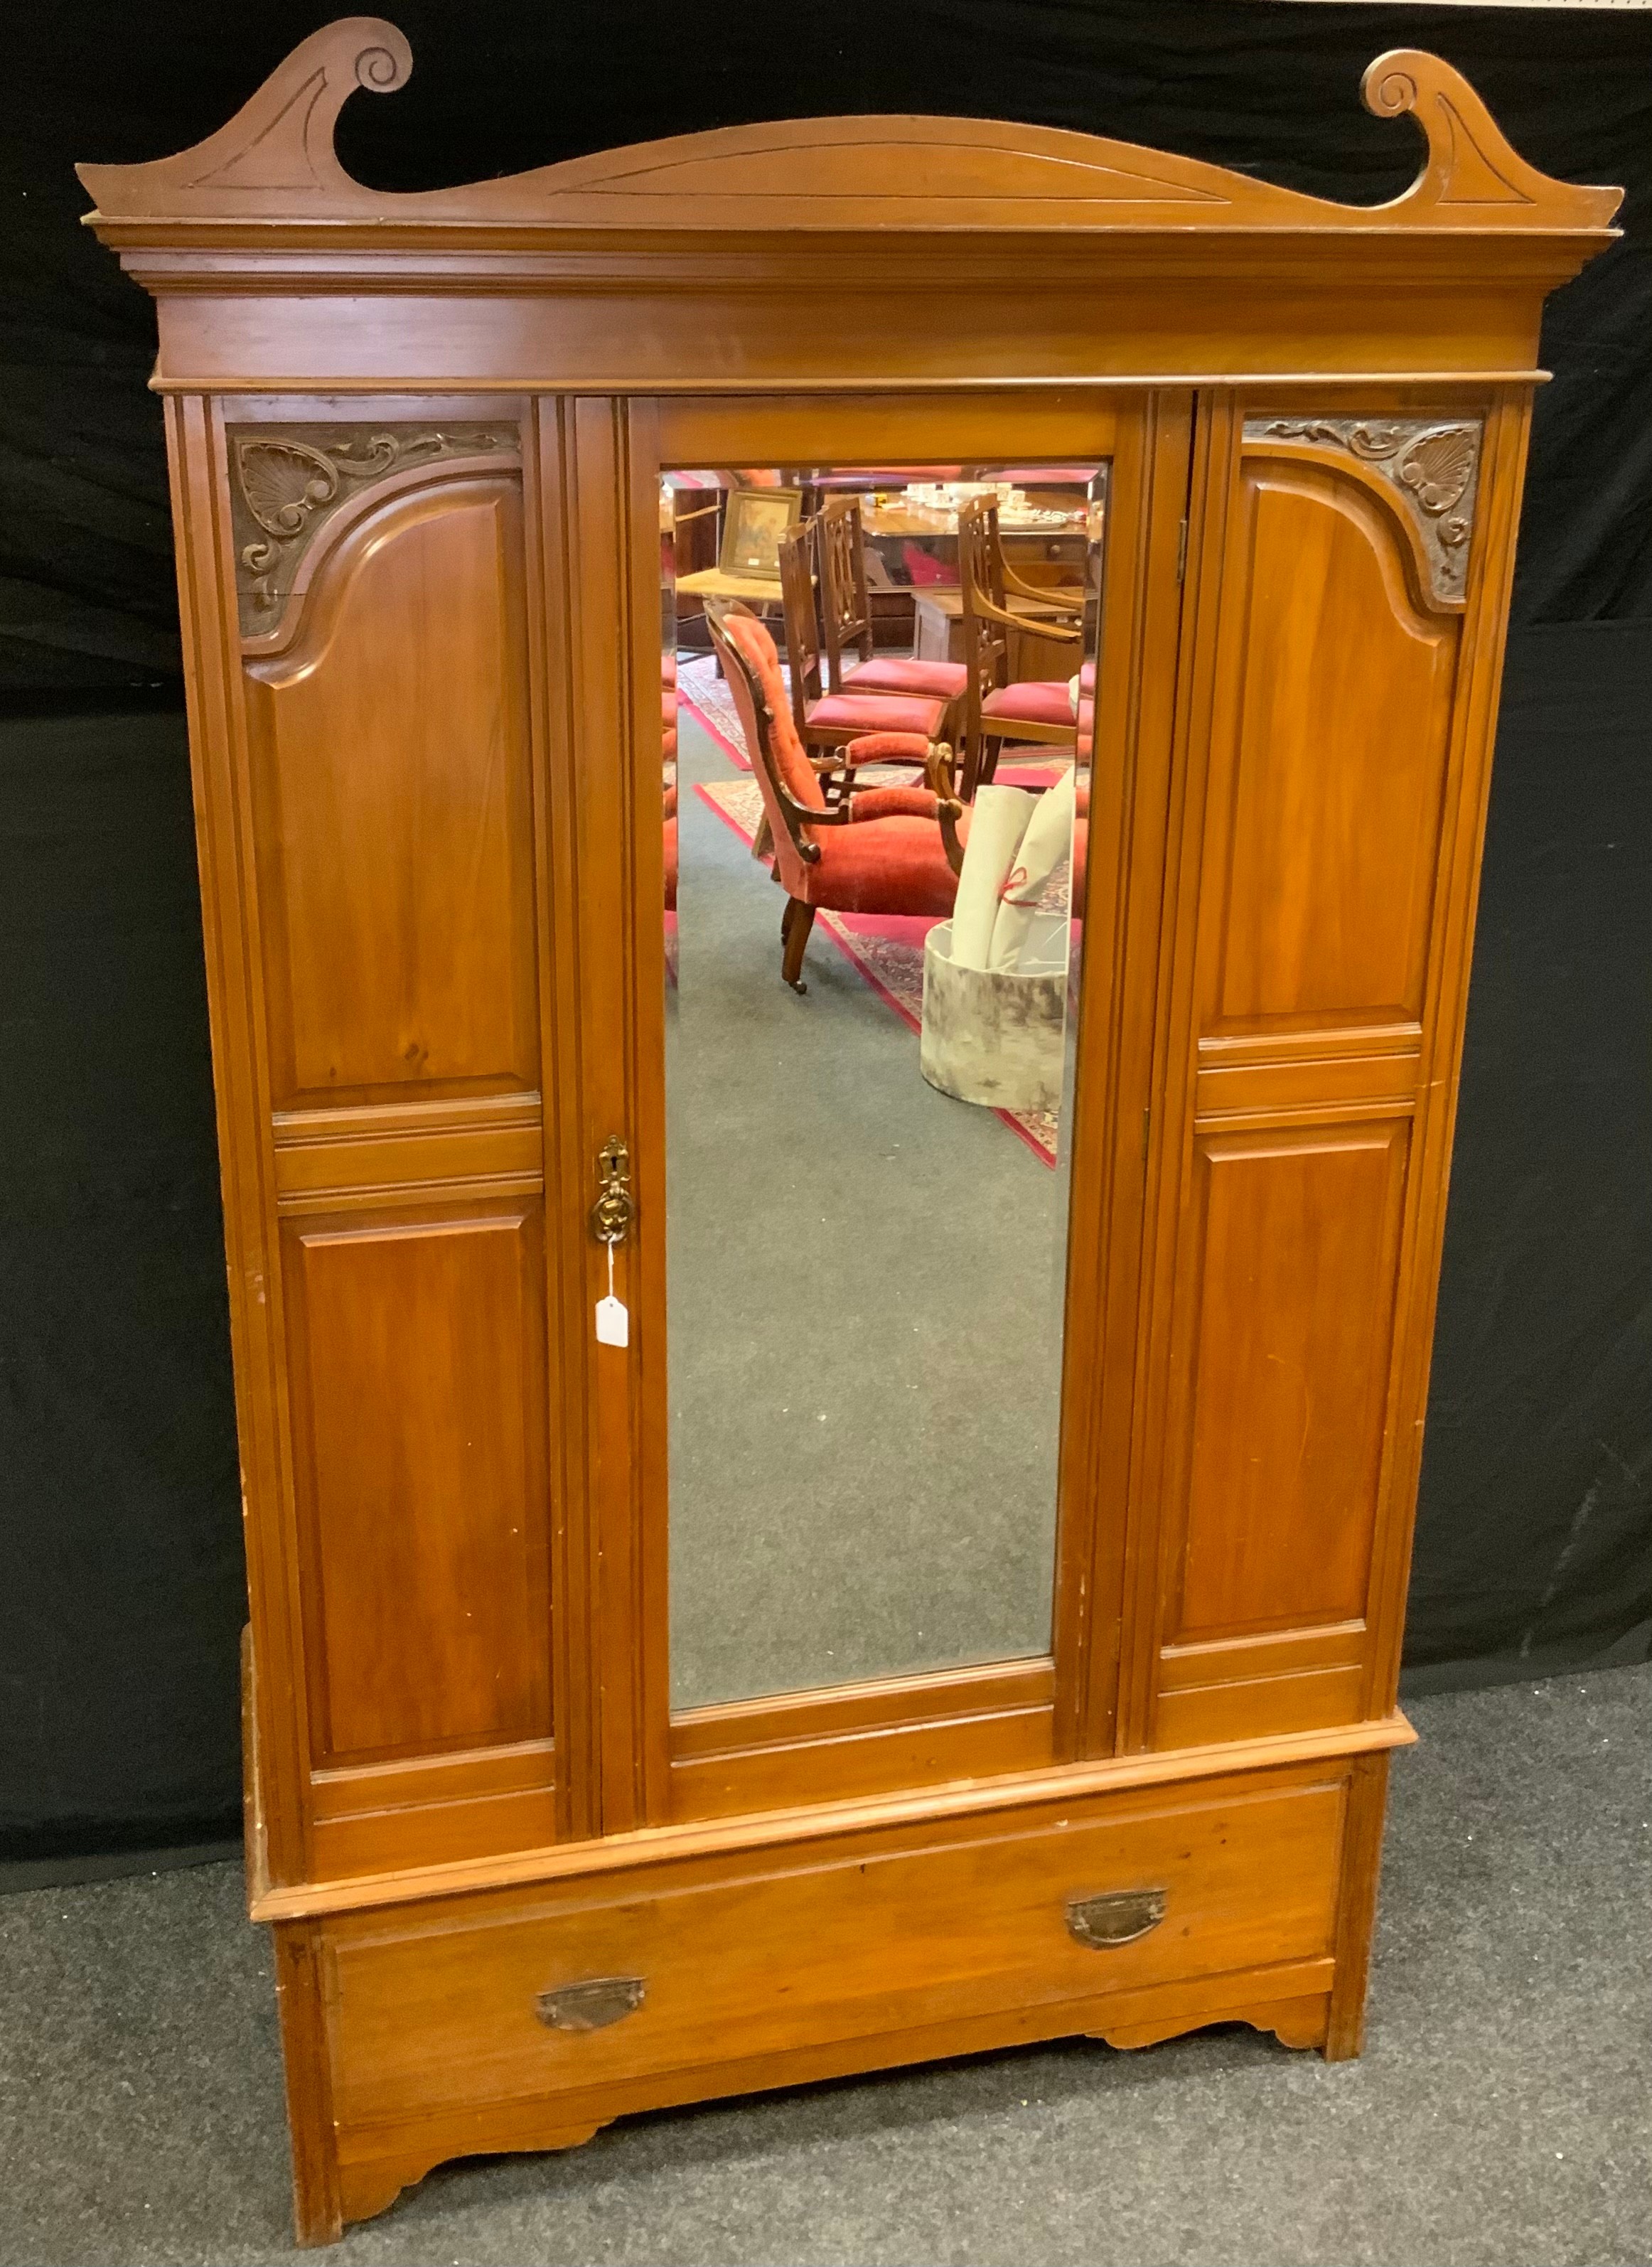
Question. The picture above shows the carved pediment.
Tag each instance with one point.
(828, 171)
(274, 161)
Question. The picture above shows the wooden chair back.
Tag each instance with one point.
(845, 608)
(984, 621)
(803, 651)
(986, 588)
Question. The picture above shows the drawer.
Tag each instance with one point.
(755, 1955)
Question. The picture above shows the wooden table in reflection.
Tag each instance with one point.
(900, 517)
(938, 632)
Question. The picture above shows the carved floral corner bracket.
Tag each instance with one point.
(1432, 463)
(287, 483)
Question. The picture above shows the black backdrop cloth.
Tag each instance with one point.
(118, 1503)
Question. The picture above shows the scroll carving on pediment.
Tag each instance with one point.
(288, 480)
(1432, 463)
(275, 160)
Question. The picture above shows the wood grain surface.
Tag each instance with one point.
(416, 444)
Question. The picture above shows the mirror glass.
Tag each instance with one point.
(877, 685)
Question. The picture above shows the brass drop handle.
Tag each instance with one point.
(1117, 1917)
(591, 2004)
(615, 1208)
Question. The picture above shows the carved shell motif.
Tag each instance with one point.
(1438, 467)
(287, 484)
(1432, 463)
(283, 482)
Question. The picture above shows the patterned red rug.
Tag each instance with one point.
(701, 689)
(886, 950)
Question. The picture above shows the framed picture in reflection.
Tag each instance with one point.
(755, 523)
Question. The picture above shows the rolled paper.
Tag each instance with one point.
(997, 822)
(1048, 840)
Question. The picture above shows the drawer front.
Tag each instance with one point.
(756, 1953)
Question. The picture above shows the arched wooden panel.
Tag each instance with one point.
(390, 752)
(1314, 863)
(1329, 751)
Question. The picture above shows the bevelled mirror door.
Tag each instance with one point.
(877, 687)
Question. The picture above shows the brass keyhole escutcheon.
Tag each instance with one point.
(615, 1208)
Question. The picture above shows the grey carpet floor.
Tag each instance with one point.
(1499, 2118)
(864, 1287)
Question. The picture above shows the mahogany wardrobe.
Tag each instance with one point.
(952, 1595)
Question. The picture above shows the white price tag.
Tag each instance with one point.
(613, 1323)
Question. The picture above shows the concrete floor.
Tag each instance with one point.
(1499, 2117)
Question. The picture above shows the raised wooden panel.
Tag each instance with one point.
(1329, 751)
(389, 1153)
(1225, 1089)
(1288, 1306)
(1324, 699)
(1258, 1707)
(851, 1740)
(417, 1353)
(1271, 1654)
(390, 753)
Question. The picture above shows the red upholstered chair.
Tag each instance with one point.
(853, 662)
(834, 721)
(1038, 709)
(668, 750)
(886, 850)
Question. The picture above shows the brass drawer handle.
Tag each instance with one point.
(1118, 1917)
(591, 2005)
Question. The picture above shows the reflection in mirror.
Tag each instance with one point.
(877, 688)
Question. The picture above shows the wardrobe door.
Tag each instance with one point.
(872, 1533)
(386, 687)
(1327, 722)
